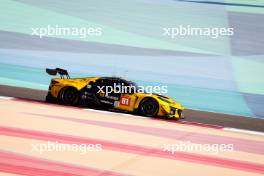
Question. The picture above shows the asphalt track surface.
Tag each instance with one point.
(195, 116)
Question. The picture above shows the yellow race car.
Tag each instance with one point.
(109, 93)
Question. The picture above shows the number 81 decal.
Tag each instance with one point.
(124, 101)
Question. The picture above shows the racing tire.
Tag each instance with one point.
(148, 107)
(69, 96)
(50, 98)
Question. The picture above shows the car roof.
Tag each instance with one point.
(113, 78)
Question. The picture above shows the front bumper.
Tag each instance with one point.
(172, 112)
(175, 113)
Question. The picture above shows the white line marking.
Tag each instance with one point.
(131, 115)
(101, 111)
(115, 113)
(244, 131)
(6, 98)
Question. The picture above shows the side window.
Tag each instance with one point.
(98, 82)
(108, 86)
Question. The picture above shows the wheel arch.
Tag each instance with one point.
(141, 99)
(141, 104)
(65, 88)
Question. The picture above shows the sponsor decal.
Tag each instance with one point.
(116, 104)
(112, 97)
(102, 94)
(106, 102)
(124, 100)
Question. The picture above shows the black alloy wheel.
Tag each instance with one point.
(149, 107)
(69, 96)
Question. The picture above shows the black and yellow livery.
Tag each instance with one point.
(86, 91)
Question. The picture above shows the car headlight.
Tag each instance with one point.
(172, 110)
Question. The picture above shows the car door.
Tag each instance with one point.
(105, 92)
(127, 97)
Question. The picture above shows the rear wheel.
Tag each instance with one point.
(149, 107)
(69, 96)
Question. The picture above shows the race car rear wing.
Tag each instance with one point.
(59, 71)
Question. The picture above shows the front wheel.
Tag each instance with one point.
(69, 96)
(149, 107)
